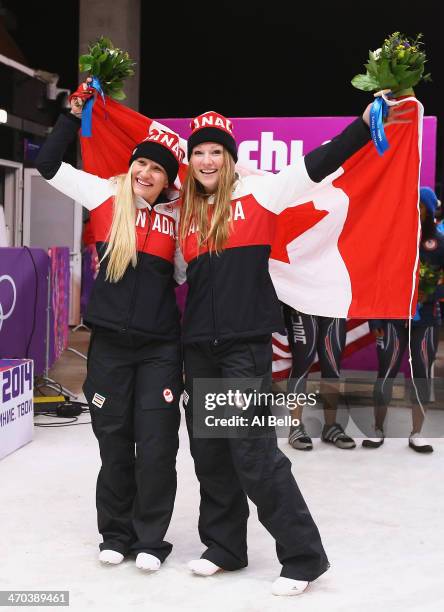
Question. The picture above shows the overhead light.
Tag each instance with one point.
(3, 116)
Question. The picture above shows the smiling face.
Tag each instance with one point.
(148, 179)
(206, 161)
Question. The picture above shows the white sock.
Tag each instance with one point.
(287, 586)
(110, 556)
(148, 562)
(203, 567)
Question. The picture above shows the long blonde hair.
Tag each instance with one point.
(195, 208)
(122, 238)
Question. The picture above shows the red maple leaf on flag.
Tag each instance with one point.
(291, 223)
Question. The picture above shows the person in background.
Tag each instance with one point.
(309, 335)
(440, 227)
(392, 336)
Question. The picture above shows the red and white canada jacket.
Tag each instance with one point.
(231, 294)
(144, 300)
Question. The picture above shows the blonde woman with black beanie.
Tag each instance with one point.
(134, 370)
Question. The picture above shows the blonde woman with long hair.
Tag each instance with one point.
(226, 232)
(134, 372)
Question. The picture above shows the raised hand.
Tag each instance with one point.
(80, 96)
(396, 114)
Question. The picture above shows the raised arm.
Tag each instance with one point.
(88, 189)
(293, 183)
(327, 158)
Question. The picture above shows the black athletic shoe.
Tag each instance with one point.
(334, 434)
(376, 441)
(419, 444)
(299, 439)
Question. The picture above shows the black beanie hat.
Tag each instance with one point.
(163, 148)
(212, 127)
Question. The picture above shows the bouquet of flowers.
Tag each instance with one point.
(398, 65)
(429, 278)
(109, 65)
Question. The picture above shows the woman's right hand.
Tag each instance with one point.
(395, 115)
(80, 96)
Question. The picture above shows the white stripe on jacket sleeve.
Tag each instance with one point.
(87, 189)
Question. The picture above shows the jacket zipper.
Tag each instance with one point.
(136, 280)
(213, 302)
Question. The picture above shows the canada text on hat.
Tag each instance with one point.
(169, 140)
(212, 119)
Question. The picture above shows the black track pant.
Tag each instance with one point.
(390, 349)
(133, 388)
(229, 469)
(308, 335)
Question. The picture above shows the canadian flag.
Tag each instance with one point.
(349, 247)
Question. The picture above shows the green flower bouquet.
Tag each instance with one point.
(398, 65)
(110, 65)
(429, 278)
